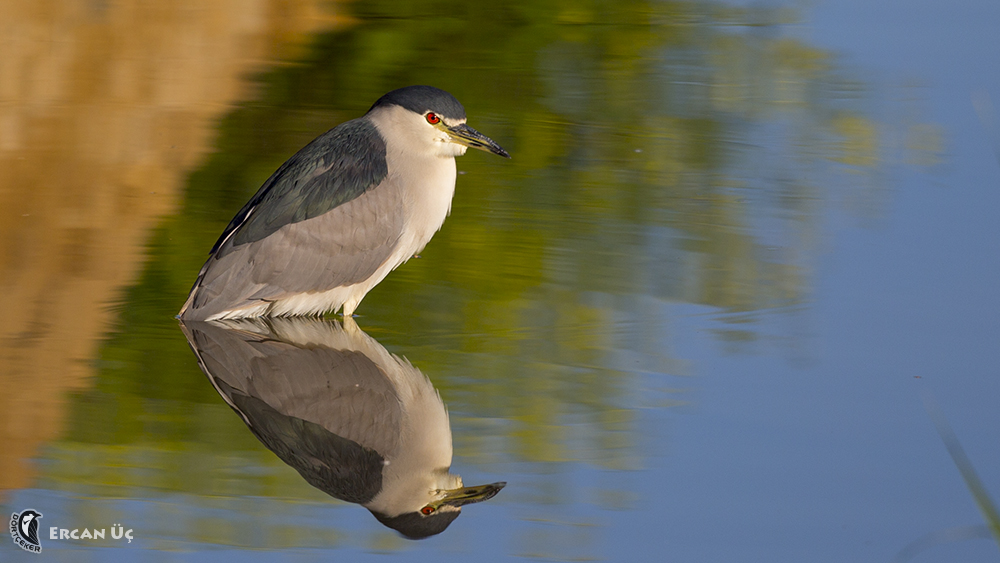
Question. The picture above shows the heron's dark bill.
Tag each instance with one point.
(471, 495)
(465, 135)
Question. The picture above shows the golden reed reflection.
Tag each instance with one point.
(105, 107)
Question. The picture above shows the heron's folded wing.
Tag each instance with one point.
(335, 168)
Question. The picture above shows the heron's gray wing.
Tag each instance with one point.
(343, 247)
(333, 169)
(329, 217)
(331, 413)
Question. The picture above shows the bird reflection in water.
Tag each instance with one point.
(357, 422)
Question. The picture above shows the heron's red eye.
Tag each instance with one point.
(427, 510)
(433, 119)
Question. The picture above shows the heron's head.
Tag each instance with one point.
(432, 508)
(425, 118)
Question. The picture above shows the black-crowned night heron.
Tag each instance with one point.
(355, 421)
(341, 213)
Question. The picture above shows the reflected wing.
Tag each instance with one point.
(340, 467)
(319, 403)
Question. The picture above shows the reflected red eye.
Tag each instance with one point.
(433, 119)
(427, 510)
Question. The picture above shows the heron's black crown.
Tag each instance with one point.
(421, 99)
(416, 526)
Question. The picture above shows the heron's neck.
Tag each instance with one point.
(420, 465)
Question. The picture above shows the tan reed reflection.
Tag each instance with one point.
(105, 107)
